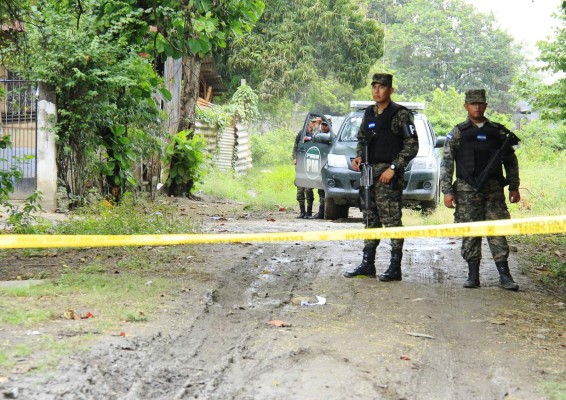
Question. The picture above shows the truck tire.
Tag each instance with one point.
(335, 211)
(429, 206)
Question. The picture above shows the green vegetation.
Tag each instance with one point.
(132, 216)
(267, 188)
(273, 148)
(111, 299)
(297, 44)
(429, 47)
(554, 390)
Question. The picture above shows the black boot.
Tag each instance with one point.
(320, 213)
(393, 273)
(505, 279)
(309, 212)
(473, 274)
(367, 267)
(303, 213)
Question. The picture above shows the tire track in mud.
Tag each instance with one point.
(221, 346)
(227, 361)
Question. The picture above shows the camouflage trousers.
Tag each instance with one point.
(385, 209)
(305, 193)
(321, 197)
(487, 205)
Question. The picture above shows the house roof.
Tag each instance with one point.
(211, 76)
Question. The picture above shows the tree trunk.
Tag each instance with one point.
(189, 96)
(191, 78)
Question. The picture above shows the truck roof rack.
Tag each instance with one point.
(361, 104)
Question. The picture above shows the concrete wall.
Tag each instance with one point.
(46, 155)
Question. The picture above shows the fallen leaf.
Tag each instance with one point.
(69, 314)
(406, 358)
(122, 333)
(270, 219)
(278, 323)
(497, 321)
(88, 315)
(282, 209)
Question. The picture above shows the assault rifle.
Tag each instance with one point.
(366, 180)
(510, 140)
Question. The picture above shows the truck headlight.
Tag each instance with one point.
(337, 160)
(423, 164)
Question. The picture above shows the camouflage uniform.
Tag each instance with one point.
(386, 207)
(303, 193)
(393, 144)
(487, 204)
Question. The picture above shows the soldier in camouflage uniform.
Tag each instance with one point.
(304, 193)
(470, 146)
(393, 142)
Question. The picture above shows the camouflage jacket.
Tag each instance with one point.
(451, 146)
(296, 145)
(410, 145)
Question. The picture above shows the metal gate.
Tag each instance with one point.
(18, 119)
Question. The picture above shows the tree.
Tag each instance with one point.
(434, 44)
(551, 99)
(12, 37)
(103, 95)
(179, 28)
(297, 43)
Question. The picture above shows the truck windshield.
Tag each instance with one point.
(350, 127)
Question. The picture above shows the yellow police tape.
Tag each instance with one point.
(528, 226)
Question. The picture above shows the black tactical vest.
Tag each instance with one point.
(384, 145)
(476, 148)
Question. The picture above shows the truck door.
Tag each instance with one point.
(312, 154)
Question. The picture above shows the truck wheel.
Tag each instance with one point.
(335, 211)
(429, 206)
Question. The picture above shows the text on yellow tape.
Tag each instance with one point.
(528, 226)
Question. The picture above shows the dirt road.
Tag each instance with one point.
(420, 339)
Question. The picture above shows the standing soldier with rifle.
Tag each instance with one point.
(389, 135)
(480, 148)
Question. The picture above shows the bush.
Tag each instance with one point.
(273, 147)
(542, 141)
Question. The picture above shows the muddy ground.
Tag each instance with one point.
(420, 339)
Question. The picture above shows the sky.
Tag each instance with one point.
(527, 20)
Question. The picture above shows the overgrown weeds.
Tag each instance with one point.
(132, 216)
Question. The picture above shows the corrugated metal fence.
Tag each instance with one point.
(230, 149)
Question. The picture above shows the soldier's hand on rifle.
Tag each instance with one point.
(387, 175)
(514, 196)
(450, 200)
(356, 163)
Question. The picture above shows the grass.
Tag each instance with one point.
(132, 216)
(554, 390)
(111, 298)
(262, 188)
